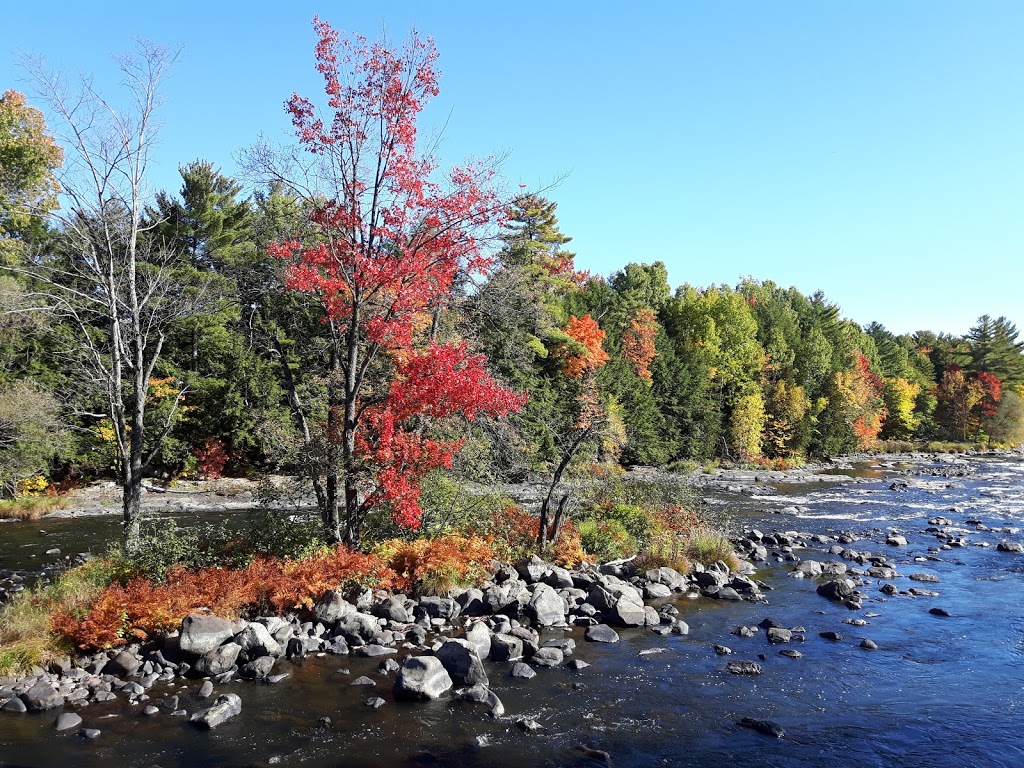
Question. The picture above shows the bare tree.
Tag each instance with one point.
(116, 289)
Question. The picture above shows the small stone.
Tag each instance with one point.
(939, 612)
(868, 645)
(577, 664)
(722, 650)
(90, 733)
(530, 726)
(363, 681)
(548, 657)
(205, 690)
(790, 653)
(375, 702)
(275, 679)
(150, 710)
(835, 636)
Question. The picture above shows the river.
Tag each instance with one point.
(938, 691)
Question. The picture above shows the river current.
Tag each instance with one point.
(938, 691)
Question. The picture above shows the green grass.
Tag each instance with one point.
(30, 507)
(25, 637)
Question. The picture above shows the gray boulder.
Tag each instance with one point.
(548, 657)
(479, 636)
(533, 570)
(523, 671)
(258, 668)
(66, 721)
(471, 602)
(332, 606)
(620, 603)
(202, 633)
(668, 577)
(839, 590)
(438, 608)
(359, 628)
(218, 661)
(546, 608)
(255, 641)
(744, 668)
(509, 596)
(226, 706)
(123, 664)
(41, 696)
(506, 647)
(422, 677)
(460, 660)
(655, 591)
(601, 633)
(393, 609)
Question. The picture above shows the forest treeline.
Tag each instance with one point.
(238, 374)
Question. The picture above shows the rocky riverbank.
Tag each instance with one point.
(526, 621)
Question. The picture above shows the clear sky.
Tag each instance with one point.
(871, 150)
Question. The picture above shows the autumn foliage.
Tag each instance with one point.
(433, 566)
(589, 354)
(391, 241)
(141, 608)
(437, 383)
(638, 342)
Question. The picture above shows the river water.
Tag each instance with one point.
(938, 691)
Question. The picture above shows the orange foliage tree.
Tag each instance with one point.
(638, 342)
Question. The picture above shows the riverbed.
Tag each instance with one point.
(937, 691)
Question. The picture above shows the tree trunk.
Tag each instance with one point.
(332, 510)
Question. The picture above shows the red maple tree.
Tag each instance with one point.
(391, 240)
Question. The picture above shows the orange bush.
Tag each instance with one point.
(141, 608)
(513, 533)
(433, 566)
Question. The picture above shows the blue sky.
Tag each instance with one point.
(871, 150)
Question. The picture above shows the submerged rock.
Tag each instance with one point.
(767, 727)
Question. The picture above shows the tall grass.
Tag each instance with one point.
(30, 507)
(26, 638)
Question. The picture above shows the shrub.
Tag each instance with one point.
(141, 608)
(435, 566)
(25, 636)
(606, 539)
(683, 466)
(512, 533)
(638, 522)
(666, 549)
(212, 456)
(706, 546)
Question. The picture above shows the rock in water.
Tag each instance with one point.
(767, 727)
(744, 668)
(481, 694)
(422, 677)
(462, 663)
(40, 697)
(601, 633)
(67, 721)
(227, 706)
